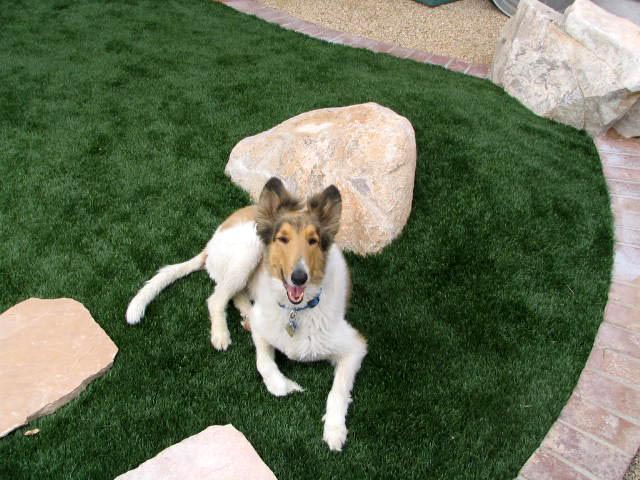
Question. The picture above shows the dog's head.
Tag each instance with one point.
(297, 235)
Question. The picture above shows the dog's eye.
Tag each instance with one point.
(284, 240)
(313, 241)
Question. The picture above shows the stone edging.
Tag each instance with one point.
(598, 431)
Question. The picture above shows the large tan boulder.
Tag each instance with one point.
(217, 453)
(367, 151)
(612, 38)
(49, 351)
(581, 69)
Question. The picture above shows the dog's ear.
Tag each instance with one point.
(274, 199)
(327, 208)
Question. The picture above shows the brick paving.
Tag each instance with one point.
(598, 431)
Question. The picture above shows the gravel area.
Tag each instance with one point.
(634, 470)
(466, 29)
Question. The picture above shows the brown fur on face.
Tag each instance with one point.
(292, 233)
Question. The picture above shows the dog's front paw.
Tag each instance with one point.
(281, 386)
(221, 339)
(335, 435)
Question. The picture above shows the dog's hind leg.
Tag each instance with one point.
(243, 303)
(217, 304)
(228, 286)
(233, 255)
(231, 281)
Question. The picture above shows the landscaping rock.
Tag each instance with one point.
(612, 38)
(367, 151)
(217, 453)
(49, 351)
(629, 125)
(582, 69)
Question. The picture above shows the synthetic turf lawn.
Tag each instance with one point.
(116, 120)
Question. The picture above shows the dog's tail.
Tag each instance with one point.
(165, 277)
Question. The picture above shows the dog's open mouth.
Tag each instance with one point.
(294, 293)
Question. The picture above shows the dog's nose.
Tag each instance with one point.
(299, 277)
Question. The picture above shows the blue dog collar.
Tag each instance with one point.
(292, 324)
(310, 304)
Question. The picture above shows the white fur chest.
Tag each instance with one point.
(312, 340)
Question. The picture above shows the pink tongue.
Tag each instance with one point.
(295, 292)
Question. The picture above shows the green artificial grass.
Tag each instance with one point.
(116, 121)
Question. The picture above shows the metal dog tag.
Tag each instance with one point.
(291, 324)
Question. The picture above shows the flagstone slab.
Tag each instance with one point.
(49, 352)
(218, 452)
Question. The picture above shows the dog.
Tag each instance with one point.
(269, 258)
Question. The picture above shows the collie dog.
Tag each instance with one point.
(278, 261)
